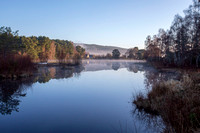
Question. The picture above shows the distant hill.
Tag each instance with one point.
(95, 49)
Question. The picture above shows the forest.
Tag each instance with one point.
(176, 100)
(180, 44)
(38, 48)
(19, 53)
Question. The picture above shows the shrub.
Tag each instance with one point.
(177, 102)
(15, 65)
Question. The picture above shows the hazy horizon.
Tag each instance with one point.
(107, 22)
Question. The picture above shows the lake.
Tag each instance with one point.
(93, 98)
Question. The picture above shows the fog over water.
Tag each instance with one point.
(95, 97)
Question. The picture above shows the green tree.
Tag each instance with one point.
(44, 44)
(9, 41)
(116, 53)
(30, 44)
(80, 50)
(64, 48)
(60, 53)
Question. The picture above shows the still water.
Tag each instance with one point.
(93, 98)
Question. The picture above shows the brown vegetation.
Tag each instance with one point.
(15, 66)
(177, 102)
(180, 45)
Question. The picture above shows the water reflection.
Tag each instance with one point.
(45, 74)
(115, 66)
(98, 65)
(152, 76)
(12, 92)
(149, 121)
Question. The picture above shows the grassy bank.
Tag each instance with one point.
(177, 102)
(16, 66)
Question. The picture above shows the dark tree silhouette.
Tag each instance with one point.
(116, 54)
(180, 45)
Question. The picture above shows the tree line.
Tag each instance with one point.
(40, 48)
(132, 53)
(180, 44)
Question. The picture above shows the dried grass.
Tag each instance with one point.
(15, 65)
(177, 102)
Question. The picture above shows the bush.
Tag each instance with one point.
(177, 102)
(77, 59)
(15, 66)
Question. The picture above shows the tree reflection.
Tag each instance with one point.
(149, 121)
(45, 74)
(136, 67)
(11, 91)
(115, 66)
(152, 76)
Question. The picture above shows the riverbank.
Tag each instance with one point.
(56, 64)
(177, 102)
(17, 66)
(162, 66)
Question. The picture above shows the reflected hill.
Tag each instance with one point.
(98, 65)
(12, 90)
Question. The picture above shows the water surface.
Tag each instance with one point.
(93, 98)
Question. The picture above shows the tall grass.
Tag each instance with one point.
(177, 102)
(15, 65)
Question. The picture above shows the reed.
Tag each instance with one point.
(14, 66)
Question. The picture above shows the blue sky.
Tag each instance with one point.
(124, 23)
